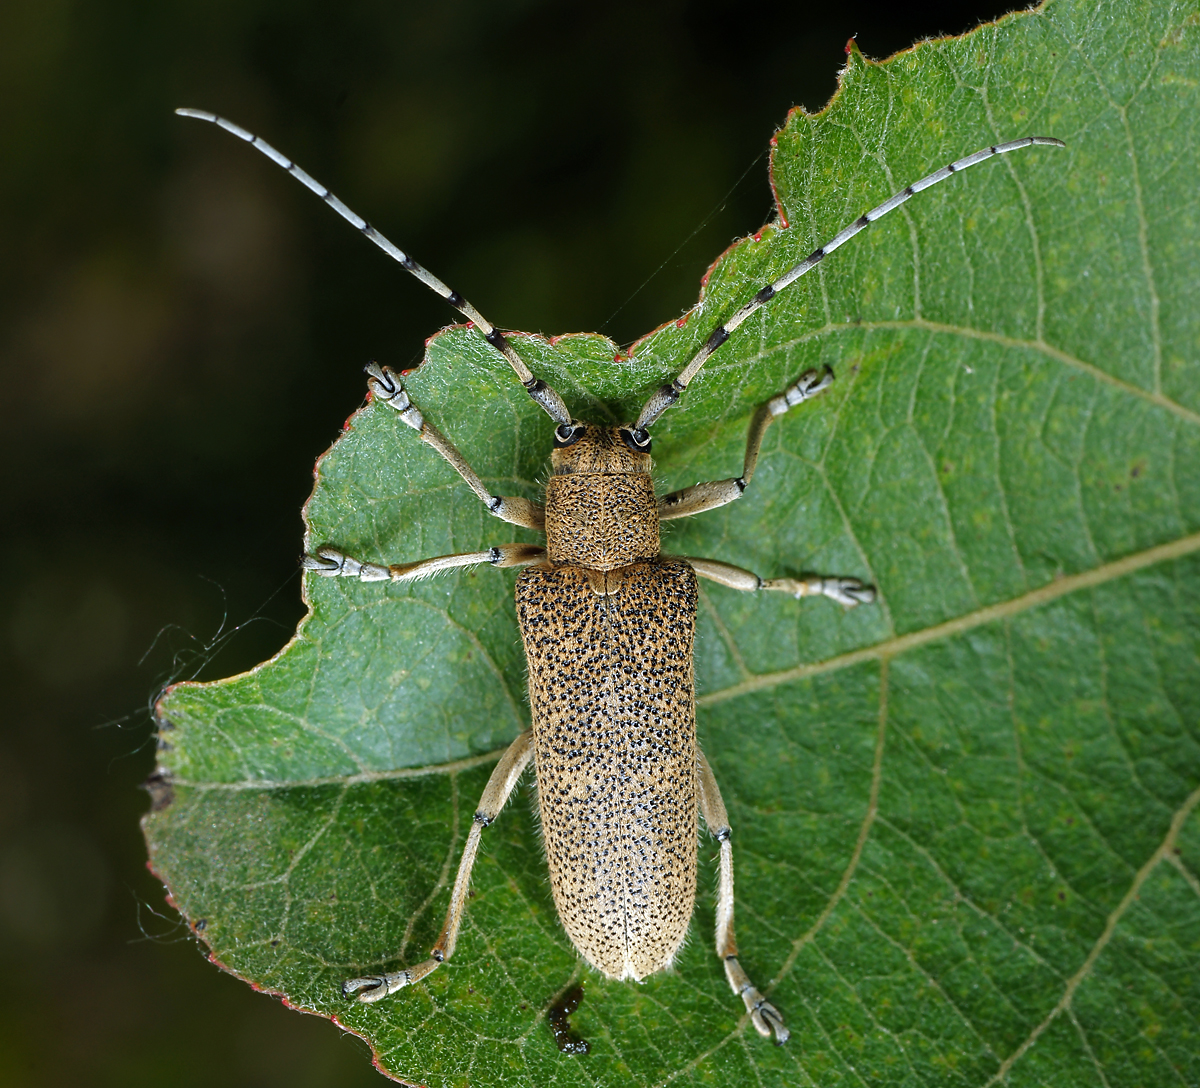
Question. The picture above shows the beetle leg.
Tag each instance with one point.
(495, 794)
(847, 591)
(713, 493)
(763, 1015)
(387, 388)
(333, 563)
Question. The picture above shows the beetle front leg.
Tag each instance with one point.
(713, 493)
(495, 794)
(387, 388)
(763, 1015)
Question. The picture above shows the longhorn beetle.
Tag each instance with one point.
(607, 621)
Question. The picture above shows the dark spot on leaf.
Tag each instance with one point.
(1062, 897)
(1116, 487)
(568, 1042)
(275, 944)
(162, 793)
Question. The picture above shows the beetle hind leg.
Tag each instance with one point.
(371, 988)
(767, 1019)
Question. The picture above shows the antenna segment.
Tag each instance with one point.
(546, 397)
(542, 394)
(669, 394)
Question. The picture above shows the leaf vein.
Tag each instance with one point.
(1162, 851)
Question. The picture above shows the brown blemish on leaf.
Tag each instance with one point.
(162, 792)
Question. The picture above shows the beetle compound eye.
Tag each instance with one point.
(637, 440)
(567, 434)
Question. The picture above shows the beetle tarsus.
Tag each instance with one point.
(332, 564)
(768, 1019)
(329, 565)
(372, 988)
(846, 591)
(387, 387)
(807, 386)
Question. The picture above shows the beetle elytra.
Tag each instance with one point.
(608, 622)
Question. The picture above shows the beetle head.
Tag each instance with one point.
(590, 449)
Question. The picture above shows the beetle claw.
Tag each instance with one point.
(331, 563)
(326, 561)
(373, 988)
(847, 591)
(767, 1020)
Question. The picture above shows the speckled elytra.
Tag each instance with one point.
(608, 623)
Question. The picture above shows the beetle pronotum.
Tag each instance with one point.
(608, 623)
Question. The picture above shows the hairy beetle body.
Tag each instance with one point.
(608, 625)
(614, 735)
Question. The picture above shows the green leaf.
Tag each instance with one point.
(965, 818)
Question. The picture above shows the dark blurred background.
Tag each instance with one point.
(182, 332)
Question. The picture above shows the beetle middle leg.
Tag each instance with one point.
(495, 794)
(765, 1017)
(333, 563)
(713, 493)
(847, 591)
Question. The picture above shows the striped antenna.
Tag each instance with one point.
(542, 394)
(669, 394)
